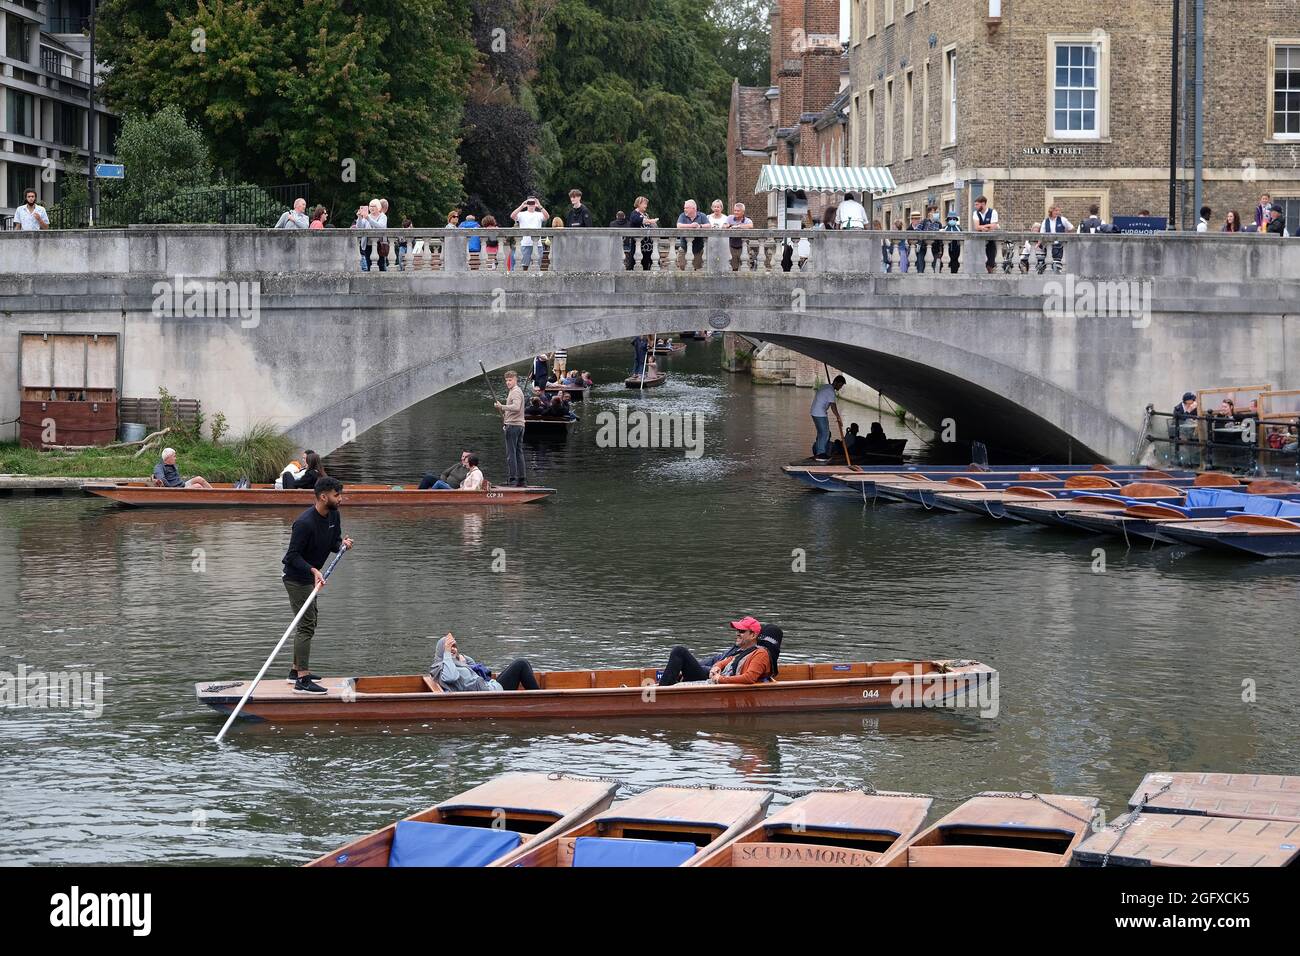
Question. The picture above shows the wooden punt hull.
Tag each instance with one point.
(549, 424)
(354, 496)
(1184, 839)
(708, 819)
(577, 393)
(675, 349)
(651, 381)
(1251, 535)
(1248, 795)
(538, 805)
(630, 692)
(1126, 526)
(1006, 829)
(830, 829)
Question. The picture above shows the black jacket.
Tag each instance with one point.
(312, 541)
(579, 217)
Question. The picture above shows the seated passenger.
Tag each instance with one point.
(876, 436)
(473, 480)
(753, 658)
(166, 474)
(587, 379)
(450, 478)
(457, 672)
(307, 479)
(535, 408)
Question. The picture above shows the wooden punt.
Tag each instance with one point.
(991, 502)
(1258, 536)
(925, 493)
(651, 381)
(544, 423)
(1054, 512)
(672, 348)
(829, 829)
(535, 806)
(1001, 829)
(666, 826)
(859, 480)
(1252, 795)
(354, 496)
(577, 393)
(891, 449)
(1184, 839)
(626, 692)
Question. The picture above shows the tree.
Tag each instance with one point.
(359, 99)
(745, 51)
(637, 103)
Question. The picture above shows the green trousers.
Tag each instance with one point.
(298, 594)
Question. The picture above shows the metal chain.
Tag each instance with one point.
(865, 787)
(1133, 815)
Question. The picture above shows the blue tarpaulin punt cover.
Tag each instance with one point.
(608, 851)
(440, 844)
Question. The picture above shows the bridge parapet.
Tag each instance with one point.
(214, 251)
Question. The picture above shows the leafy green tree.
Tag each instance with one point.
(359, 99)
(745, 52)
(637, 104)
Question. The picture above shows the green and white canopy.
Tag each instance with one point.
(877, 180)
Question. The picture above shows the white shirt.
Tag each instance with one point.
(24, 219)
(473, 480)
(990, 213)
(717, 220)
(823, 400)
(529, 220)
(1049, 225)
(1202, 226)
(851, 215)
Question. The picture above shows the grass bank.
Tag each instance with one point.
(259, 456)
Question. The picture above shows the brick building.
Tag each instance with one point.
(1036, 101)
(800, 118)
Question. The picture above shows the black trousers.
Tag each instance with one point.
(518, 674)
(682, 665)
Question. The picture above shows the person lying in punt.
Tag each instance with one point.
(750, 660)
(456, 672)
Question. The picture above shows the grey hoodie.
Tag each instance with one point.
(453, 674)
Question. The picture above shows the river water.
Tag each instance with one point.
(1104, 676)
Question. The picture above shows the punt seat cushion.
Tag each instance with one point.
(439, 844)
(609, 851)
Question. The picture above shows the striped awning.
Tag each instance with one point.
(827, 179)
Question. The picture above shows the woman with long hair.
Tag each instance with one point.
(1232, 223)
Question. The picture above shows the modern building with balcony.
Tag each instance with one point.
(45, 77)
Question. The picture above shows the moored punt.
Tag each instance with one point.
(1054, 512)
(576, 393)
(1184, 839)
(1001, 829)
(1258, 536)
(666, 826)
(354, 496)
(669, 348)
(828, 829)
(648, 381)
(1252, 795)
(488, 825)
(1150, 521)
(879, 685)
(915, 489)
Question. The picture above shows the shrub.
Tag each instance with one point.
(262, 451)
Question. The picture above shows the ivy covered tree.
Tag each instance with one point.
(637, 103)
(359, 99)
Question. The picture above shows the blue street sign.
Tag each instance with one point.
(1141, 225)
(110, 171)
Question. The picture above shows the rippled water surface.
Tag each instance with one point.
(1104, 676)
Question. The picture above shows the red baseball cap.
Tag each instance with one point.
(747, 624)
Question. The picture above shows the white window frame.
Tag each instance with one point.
(948, 135)
(855, 134)
(909, 96)
(870, 139)
(888, 157)
(1101, 40)
(925, 108)
(871, 17)
(889, 13)
(855, 37)
(909, 6)
(1271, 113)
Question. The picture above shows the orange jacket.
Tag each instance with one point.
(752, 669)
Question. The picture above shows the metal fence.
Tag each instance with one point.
(1241, 444)
(252, 205)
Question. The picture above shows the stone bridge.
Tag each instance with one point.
(1059, 365)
